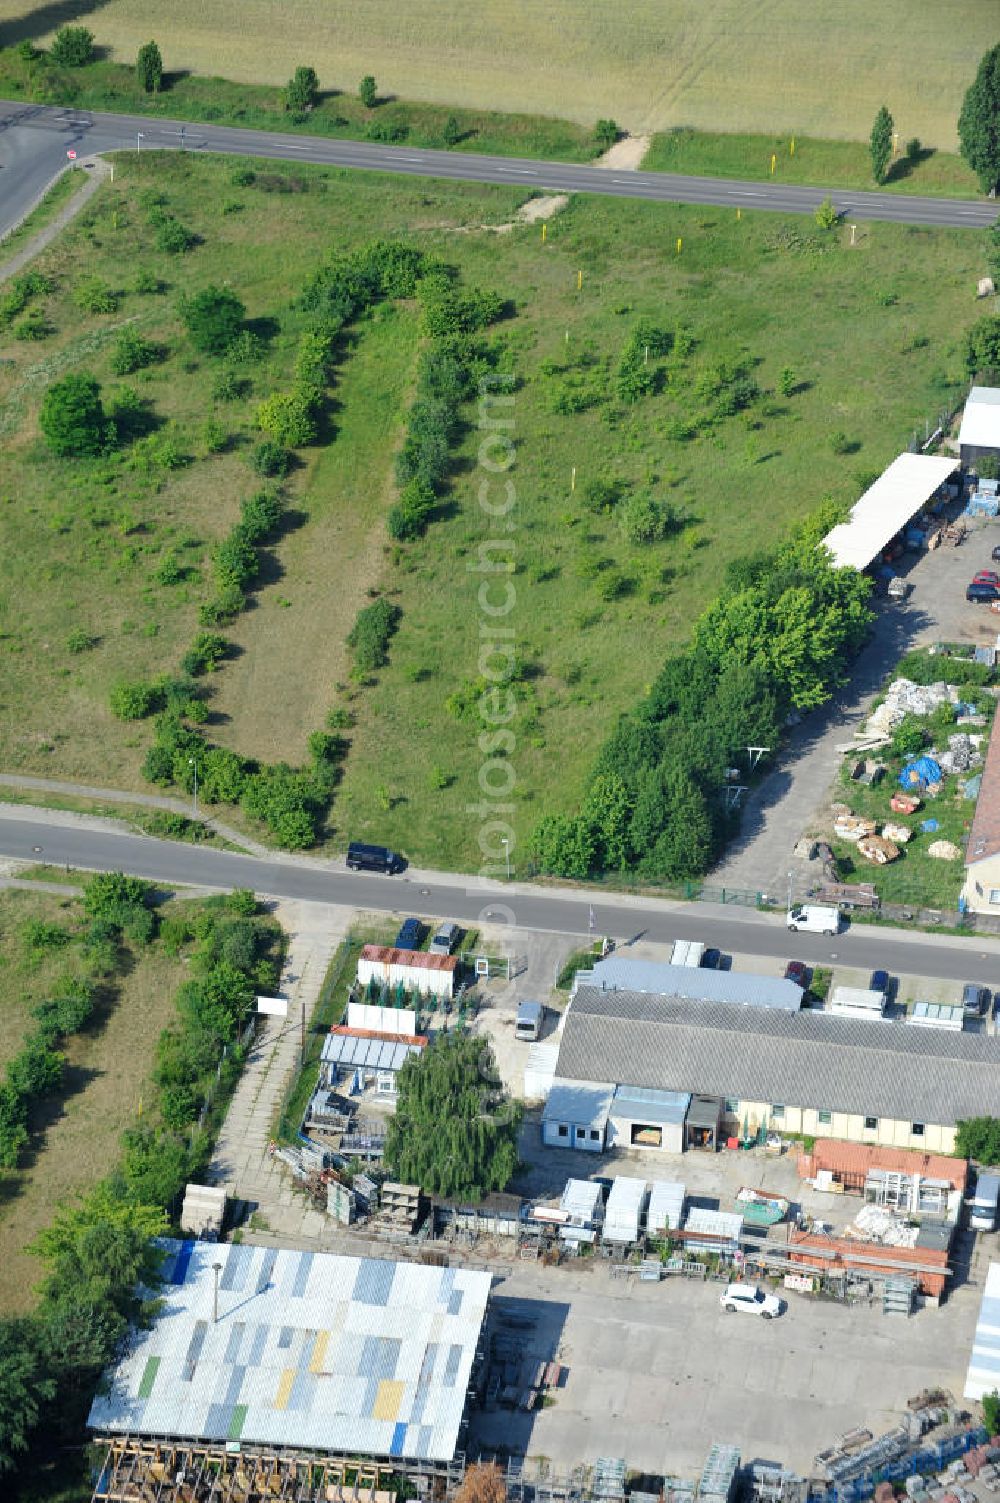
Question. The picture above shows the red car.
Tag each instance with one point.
(797, 971)
(986, 576)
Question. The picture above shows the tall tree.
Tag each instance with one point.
(367, 92)
(24, 1388)
(303, 86)
(979, 122)
(880, 145)
(149, 67)
(454, 1131)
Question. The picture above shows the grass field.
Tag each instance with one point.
(713, 64)
(833, 164)
(864, 340)
(75, 1137)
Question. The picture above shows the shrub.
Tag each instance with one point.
(286, 801)
(72, 416)
(95, 296)
(644, 518)
(213, 318)
(260, 515)
(73, 47)
(33, 326)
(131, 352)
(451, 134)
(271, 459)
(825, 215)
(225, 606)
(146, 281)
(287, 417)
(246, 348)
(367, 92)
(133, 701)
(602, 495)
(173, 237)
(235, 560)
(371, 634)
(606, 133)
(386, 130)
(909, 737)
(80, 640)
(205, 653)
(408, 519)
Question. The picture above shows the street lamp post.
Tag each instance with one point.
(216, 1269)
(138, 137)
(194, 763)
(505, 842)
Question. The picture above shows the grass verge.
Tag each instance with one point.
(806, 160)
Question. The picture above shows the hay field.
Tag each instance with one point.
(715, 64)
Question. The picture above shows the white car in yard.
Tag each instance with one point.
(751, 1299)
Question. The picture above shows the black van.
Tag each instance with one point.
(372, 858)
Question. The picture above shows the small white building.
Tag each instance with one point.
(979, 435)
(381, 1019)
(666, 1207)
(648, 1121)
(576, 1115)
(417, 970)
(583, 1204)
(856, 1002)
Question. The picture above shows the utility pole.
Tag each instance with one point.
(138, 137)
(194, 763)
(216, 1269)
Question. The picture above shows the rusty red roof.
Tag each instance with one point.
(420, 960)
(853, 1160)
(418, 1040)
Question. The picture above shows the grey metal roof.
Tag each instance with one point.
(310, 1351)
(371, 1054)
(578, 1103)
(668, 1107)
(694, 983)
(806, 1058)
(704, 1111)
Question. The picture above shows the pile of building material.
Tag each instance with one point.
(874, 1223)
(203, 1211)
(898, 834)
(944, 850)
(875, 848)
(903, 697)
(852, 827)
(962, 754)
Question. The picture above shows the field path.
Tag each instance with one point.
(99, 170)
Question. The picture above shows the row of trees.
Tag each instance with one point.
(98, 1254)
(775, 640)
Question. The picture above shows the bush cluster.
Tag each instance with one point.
(22, 291)
(638, 374)
(371, 634)
(775, 639)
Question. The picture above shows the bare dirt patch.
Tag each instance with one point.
(626, 155)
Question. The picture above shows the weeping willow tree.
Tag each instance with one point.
(455, 1129)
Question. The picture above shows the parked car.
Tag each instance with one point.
(815, 918)
(797, 971)
(981, 592)
(995, 555)
(975, 1000)
(372, 858)
(749, 1298)
(986, 576)
(445, 939)
(411, 932)
(879, 981)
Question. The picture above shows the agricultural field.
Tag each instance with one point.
(786, 367)
(711, 64)
(75, 1134)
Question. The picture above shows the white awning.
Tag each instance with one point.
(981, 419)
(886, 507)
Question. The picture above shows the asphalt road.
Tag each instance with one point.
(31, 838)
(34, 140)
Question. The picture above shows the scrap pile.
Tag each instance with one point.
(514, 1378)
(875, 1224)
(903, 697)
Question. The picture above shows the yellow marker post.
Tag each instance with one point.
(572, 479)
(739, 213)
(774, 162)
(579, 281)
(545, 231)
(680, 242)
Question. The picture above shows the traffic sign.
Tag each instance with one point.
(71, 155)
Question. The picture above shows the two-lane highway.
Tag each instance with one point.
(34, 140)
(30, 836)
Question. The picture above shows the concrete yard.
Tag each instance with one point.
(657, 1372)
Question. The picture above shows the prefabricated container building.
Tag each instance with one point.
(856, 1002)
(666, 1207)
(623, 1212)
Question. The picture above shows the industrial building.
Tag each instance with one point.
(984, 1363)
(413, 970)
(693, 983)
(302, 1351)
(754, 1068)
(979, 435)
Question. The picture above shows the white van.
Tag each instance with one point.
(983, 1209)
(529, 1021)
(813, 918)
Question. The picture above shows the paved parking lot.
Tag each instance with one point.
(657, 1372)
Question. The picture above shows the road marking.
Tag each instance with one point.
(411, 159)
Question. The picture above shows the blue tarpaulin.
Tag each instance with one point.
(920, 772)
(929, 826)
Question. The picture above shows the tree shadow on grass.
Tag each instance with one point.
(45, 18)
(908, 164)
(45, 1113)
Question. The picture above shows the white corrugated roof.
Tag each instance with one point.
(984, 1361)
(886, 507)
(666, 1205)
(310, 1350)
(696, 983)
(714, 1223)
(981, 418)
